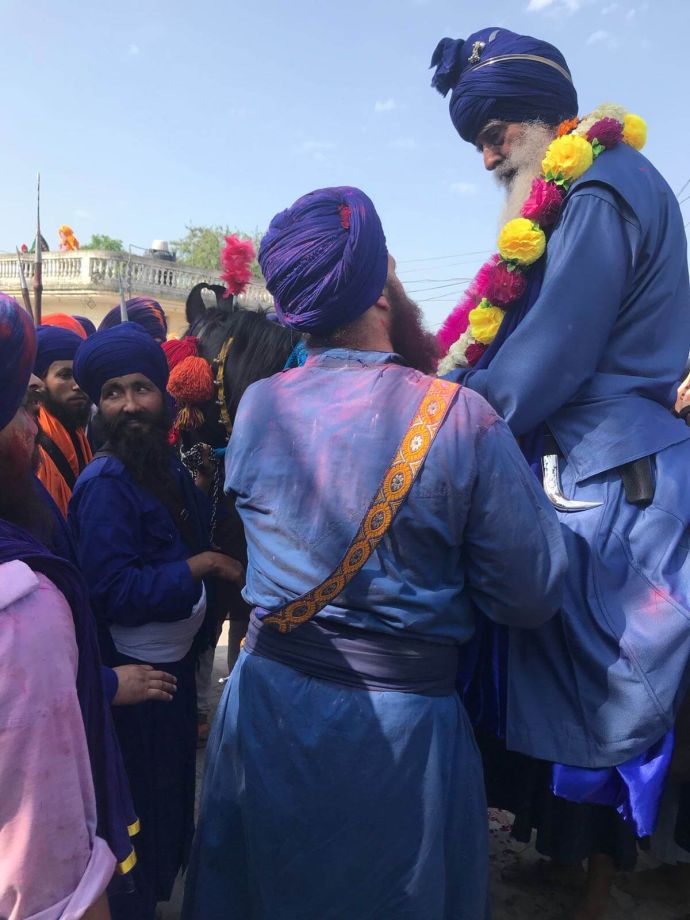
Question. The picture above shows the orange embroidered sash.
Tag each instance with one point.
(397, 482)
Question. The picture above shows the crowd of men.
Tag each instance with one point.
(429, 634)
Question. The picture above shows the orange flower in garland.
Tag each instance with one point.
(567, 126)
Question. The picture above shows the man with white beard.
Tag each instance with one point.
(577, 332)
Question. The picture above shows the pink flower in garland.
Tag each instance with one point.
(459, 319)
(544, 203)
(497, 284)
(474, 353)
(607, 131)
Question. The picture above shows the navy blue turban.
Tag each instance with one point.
(17, 354)
(86, 325)
(325, 259)
(145, 311)
(124, 349)
(54, 344)
(499, 75)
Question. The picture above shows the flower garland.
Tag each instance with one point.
(500, 282)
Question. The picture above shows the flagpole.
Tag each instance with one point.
(38, 265)
(25, 287)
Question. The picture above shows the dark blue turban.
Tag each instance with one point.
(144, 311)
(17, 354)
(86, 325)
(125, 349)
(325, 259)
(54, 344)
(500, 75)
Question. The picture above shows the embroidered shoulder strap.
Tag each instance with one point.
(397, 482)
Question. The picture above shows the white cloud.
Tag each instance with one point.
(133, 50)
(569, 6)
(386, 105)
(601, 35)
(608, 9)
(463, 188)
(631, 13)
(315, 149)
(403, 143)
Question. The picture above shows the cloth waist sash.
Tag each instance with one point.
(357, 658)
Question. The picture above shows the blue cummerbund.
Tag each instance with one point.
(355, 658)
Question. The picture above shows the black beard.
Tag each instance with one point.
(409, 338)
(145, 453)
(22, 504)
(72, 417)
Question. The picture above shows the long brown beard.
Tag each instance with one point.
(409, 337)
(517, 173)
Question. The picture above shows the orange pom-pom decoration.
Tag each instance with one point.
(176, 350)
(191, 384)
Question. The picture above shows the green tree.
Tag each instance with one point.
(103, 241)
(201, 247)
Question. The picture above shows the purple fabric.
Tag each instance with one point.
(86, 325)
(124, 349)
(144, 311)
(113, 803)
(634, 788)
(325, 259)
(17, 355)
(54, 344)
(357, 657)
(515, 91)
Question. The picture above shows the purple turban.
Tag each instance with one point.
(86, 324)
(125, 349)
(498, 74)
(54, 344)
(144, 311)
(325, 259)
(17, 354)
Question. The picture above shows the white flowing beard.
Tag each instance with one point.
(516, 173)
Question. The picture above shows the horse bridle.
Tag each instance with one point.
(219, 365)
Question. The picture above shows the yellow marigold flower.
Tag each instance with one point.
(484, 322)
(521, 241)
(635, 131)
(568, 157)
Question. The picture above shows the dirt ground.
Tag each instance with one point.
(510, 901)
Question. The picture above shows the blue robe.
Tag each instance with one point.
(133, 559)
(323, 800)
(596, 359)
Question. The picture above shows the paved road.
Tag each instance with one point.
(510, 902)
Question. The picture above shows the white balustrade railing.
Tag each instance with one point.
(97, 270)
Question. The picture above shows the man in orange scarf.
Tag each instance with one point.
(62, 419)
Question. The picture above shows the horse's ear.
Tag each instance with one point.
(195, 306)
(224, 303)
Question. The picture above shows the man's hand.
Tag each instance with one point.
(683, 394)
(218, 565)
(139, 683)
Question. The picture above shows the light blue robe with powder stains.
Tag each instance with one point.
(328, 802)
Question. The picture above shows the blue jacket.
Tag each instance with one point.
(599, 355)
(128, 547)
(307, 454)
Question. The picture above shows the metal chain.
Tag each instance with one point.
(192, 459)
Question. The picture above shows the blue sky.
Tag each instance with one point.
(144, 116)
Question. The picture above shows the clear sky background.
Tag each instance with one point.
(143, 116)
